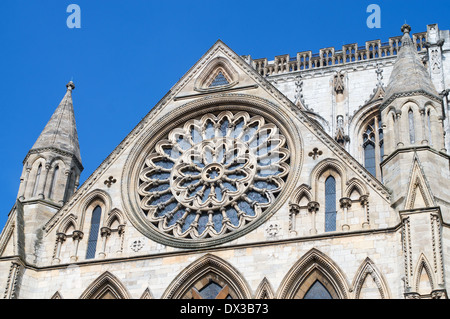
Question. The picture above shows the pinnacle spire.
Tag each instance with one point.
(61, 132)
(409, 74)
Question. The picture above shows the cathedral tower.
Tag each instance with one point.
(415, 163)
(412, 118)
(53, 166)
(50, 174)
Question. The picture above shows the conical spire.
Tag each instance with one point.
(61, 132)
(409, 74)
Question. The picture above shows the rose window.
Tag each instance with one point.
(213, 175)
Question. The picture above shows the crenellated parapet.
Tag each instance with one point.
(349, 53)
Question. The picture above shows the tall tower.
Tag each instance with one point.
(415, 164)
(50, 175)
(53, 166)
(412, 118)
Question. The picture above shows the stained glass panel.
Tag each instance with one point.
(330, 204)
(317, 291)
(219, 80)
(93, 233)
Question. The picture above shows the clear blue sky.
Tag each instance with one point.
(128, 54)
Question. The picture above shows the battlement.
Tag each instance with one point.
(349, 53)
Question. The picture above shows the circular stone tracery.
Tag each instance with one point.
(213, 175)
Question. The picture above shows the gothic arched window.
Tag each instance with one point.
(36, 182)
(412, 133)
(330, 204)
(93, 233)
(373, 146)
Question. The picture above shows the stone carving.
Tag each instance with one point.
(137, 245)
(298, 98)
(214, 175)
(111, 180)
(315, 153)
(379, 72)
(435, 60)
(272, 230)
(341, 137)
(338, 83)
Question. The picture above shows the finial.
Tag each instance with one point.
(70, 86)
(406, 28)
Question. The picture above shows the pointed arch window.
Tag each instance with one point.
(53, 184)
(317, 291)
(330, 204)
(93, 233)
(36, 182)
(412, 133)
(373, 147)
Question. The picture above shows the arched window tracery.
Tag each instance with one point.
(373, 146)
(93, 233)
(330, 204)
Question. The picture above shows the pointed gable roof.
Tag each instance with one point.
(419, 193)
(409, 74)
(191, 87)
(61, 132)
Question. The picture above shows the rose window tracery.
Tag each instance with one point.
(213, 175)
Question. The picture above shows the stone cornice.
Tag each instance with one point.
(330, 70)
(387, 102)
(41, 201)
(212, 250)
(56, 150)
(413, 149)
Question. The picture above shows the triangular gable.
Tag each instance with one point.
(12, 237)
(7, 247)
(419, 194)
(191, 86)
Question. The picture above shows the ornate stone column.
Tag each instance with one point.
(294, 209)
(313, 207)
(77, 236)
(364, 200)
(121, 232)
(346, 203)
(44, 181)
(423, 130)
(398, 129)
(105, 232)
(12, 280)
(66, 187)
(24, 183)
(60, 239)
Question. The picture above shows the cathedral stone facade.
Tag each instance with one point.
(315, 176)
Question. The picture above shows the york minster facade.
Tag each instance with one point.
(321, 175)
